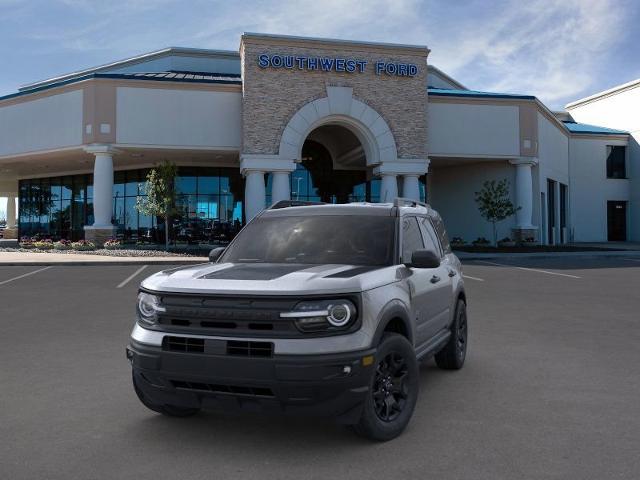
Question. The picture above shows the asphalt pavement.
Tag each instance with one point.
(550, 389)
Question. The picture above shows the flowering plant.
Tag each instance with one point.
(83, 245)
(62, 245)
(112, 244)
(46, 244)
(26, 242)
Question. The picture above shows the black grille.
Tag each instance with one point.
(249, 317)
(183, 344)
(228, 389)
(249, 349)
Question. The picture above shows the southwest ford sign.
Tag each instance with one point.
(331, 64)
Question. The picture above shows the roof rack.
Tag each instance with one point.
(293, 203)
(408, 202)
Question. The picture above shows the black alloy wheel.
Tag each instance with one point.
(390, 391)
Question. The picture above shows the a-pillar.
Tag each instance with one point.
(524, 198)
(102, 228)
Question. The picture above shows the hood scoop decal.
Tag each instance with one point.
(255, 271)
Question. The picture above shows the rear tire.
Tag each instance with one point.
(452, 356)
(393, 391)
(168, 410)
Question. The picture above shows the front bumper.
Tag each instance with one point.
(332, 385)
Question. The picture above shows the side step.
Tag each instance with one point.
(434, 345)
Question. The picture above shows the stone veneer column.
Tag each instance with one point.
(280, 187)
(102, 228)
(524, 197)
(254, 193)
(11, 232)
(411, 187)
(388, 187)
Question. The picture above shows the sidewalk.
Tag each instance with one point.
(465, 256)
(46, 259)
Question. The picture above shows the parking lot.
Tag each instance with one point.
(551, 388)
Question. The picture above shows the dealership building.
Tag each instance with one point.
(309, 119)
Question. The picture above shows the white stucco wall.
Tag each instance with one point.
(41, 124)
(190, 118)
(464, 129)
(452, 193)
(620, 110)
(590, 189)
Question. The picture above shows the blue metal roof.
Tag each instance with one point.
(188, 77)
(444, 92)
(575, 127)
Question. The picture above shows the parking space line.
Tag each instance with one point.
(529, 269)
(473, 278)
(25, 275)
(131, 277)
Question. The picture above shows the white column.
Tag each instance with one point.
(103, 190)
(411, 187)
(524, 192)
(280, 187)
(388, 188)
(254, 193)
(11, 211)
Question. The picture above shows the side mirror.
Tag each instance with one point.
(424, 259)
(214, 254)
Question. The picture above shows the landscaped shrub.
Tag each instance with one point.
(457, 241)
(43, 244)
(26, 242)
(112, 244)
(83, 245)
(481, 241)
(62, 245)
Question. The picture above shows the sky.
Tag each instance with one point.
(558, 50)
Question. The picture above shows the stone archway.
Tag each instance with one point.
(340, 108)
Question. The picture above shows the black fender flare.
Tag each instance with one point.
(392, 310)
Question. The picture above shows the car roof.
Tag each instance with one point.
(296, 208)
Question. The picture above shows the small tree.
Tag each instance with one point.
(494, 203)
(160, 193)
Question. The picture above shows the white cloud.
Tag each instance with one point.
(554, 49)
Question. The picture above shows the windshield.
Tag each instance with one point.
(319, 239)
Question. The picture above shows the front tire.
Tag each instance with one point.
(168, 410)
(393, 391)
(452, 356)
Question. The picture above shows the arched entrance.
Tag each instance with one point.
(333, 168)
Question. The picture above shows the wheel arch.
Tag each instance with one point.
(394, 319)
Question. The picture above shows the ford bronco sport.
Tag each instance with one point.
(313, 308)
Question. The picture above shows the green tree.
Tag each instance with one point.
(494, 203)
(160, 199)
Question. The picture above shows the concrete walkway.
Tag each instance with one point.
(587, 254)
(32, 258)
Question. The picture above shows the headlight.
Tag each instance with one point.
(148, 308)
(323, 315)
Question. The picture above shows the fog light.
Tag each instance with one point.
(368, 360)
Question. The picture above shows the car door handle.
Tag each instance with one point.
(435, 279)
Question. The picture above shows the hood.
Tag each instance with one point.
(271, 279)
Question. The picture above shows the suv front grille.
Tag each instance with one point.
(228, 389)
(237, 316)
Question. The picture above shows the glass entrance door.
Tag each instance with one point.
(617, 221)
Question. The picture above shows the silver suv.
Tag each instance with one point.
(313, 309)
